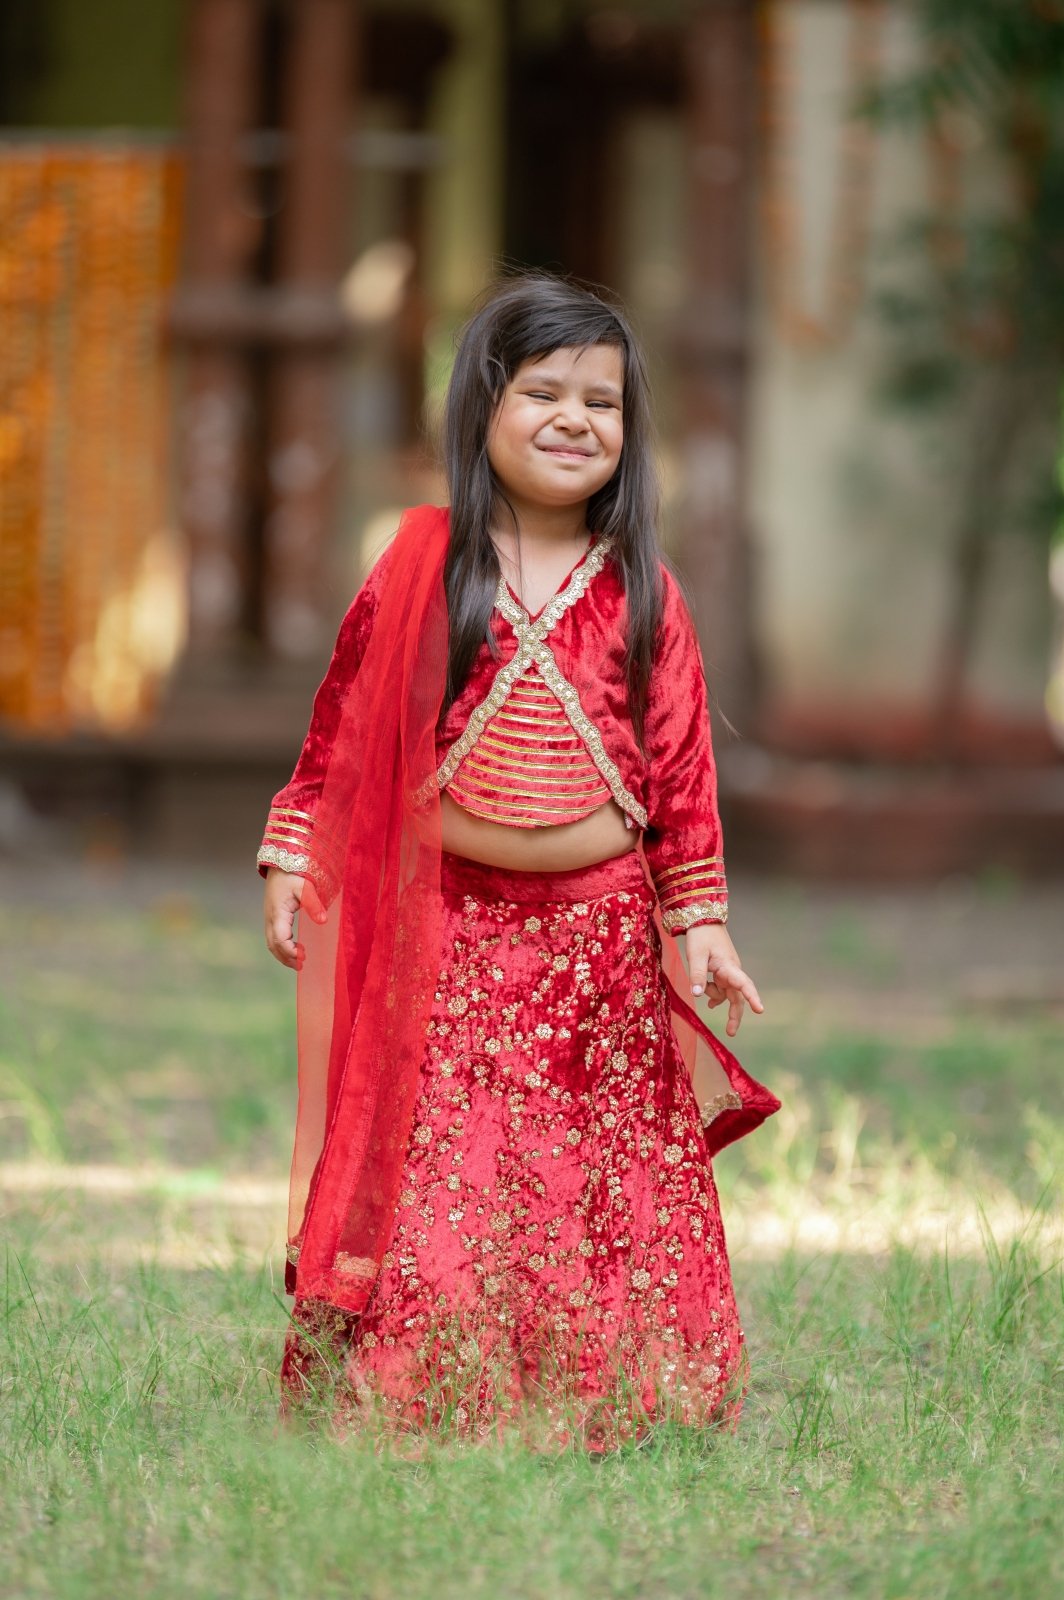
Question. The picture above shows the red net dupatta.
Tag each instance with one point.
(372, 935)
(730, 1101)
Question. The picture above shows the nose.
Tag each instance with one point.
(570, 415)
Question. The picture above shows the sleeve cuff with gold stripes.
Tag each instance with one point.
(295, 843)
(692, 892)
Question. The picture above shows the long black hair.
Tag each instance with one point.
(525, 318)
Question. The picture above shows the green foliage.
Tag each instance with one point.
(992, 74)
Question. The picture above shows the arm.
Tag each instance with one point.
(293, 846)
(683, 844)
(291, 841)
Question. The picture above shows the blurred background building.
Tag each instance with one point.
(236, 239)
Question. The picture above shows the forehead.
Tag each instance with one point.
(579, 364)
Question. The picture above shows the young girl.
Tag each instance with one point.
(503, 814)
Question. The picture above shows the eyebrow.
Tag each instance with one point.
(543, 375)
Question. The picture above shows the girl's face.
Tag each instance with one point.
(557, 433)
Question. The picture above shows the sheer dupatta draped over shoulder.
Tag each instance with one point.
(371, 934)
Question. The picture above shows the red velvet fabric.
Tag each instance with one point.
(556, 1248)
(361, 819)
(675, 781)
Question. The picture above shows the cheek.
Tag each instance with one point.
(506, 431)
(499, 439)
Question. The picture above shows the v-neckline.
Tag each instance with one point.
(566, 581)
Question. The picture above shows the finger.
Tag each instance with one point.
(281, 941)
(735, 1012)
(310, 902)
(715, 995)
(699, 971)
(750, 994)
(732, 976)
(291, 959)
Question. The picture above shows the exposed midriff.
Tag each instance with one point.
(559, 848)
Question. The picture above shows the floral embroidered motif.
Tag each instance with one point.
(557, 1238)
(355, 1266)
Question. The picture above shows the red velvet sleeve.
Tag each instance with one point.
(291, 840)
(683, 843)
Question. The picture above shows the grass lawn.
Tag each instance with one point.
(896, 1238)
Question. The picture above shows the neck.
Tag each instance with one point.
(543, 526)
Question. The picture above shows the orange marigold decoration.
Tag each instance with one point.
(89, 602)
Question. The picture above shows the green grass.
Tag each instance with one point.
(903, 1428)
(900, 1440)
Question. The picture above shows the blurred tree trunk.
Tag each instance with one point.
(999, 425)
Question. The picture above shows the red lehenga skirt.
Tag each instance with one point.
(557, 1254)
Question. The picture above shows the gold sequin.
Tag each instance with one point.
(728, 1101)
(295, 842)
(597, 1192)
(685, 917)
(355, 1266)
(288, 860)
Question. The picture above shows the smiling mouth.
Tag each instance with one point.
(563, 450)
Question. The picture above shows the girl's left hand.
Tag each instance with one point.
(716, 970)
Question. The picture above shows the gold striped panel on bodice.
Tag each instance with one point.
(529, 755)
(529, 768)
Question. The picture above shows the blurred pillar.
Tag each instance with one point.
(304, 422)
(220, 237)
(720, 61)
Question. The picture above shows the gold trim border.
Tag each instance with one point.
(532, 650)
(727, 1101)
(685, 917)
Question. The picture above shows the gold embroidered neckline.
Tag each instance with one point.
(511, 593)
(548, 616)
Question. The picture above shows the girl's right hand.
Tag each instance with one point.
(284, 891)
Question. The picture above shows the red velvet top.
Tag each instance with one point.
(556, 687)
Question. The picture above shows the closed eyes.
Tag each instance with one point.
(602, 405)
